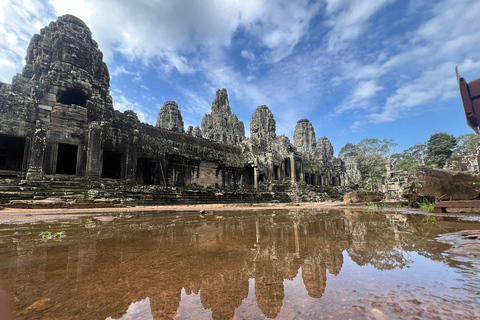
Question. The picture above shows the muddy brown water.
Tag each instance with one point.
(283, 264)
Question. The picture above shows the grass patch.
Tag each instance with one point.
(47, 235)
(427, 205)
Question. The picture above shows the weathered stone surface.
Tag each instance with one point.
(362, 196)
(222, 125)
(197, 132)
(170, 117)
(262, 128)
(304, 138)
(324, 148)
(467, 162)
(57, 120)
(446, 184)
(397, 182)
(64, 57)
(353, 174)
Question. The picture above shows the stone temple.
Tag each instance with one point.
(58, 123)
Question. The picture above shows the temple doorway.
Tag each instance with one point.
(112, 165)
(287, 167)
(67, 159)
(276, 172)
(11, 153)
(249, 175)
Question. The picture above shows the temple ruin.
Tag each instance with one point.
(57, 120)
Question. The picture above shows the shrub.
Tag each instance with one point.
(428, 205)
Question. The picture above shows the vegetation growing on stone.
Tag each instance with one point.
(440, 147)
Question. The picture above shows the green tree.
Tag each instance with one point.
(467, 143)
(409, 159)
(439, 148)
(371, 155)
(348, 150)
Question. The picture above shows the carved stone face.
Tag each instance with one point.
(64, 57)
(304, 136)
(263, 125)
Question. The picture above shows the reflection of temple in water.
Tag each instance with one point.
(133, 260)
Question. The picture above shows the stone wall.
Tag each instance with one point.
(468, 162)
(57, 119)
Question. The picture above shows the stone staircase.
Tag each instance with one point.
(14, 188)
(78, 192)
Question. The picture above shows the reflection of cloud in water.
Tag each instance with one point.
(191, 307)
(137, 310)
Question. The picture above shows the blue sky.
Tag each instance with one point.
(356, 69)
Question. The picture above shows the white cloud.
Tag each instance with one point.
(356, 126)
(422, 70)
(334, 5)
(167, 32)
(118, 70)
(349, 19)
(196, 104)
(122, 103)
(367, 89)
(437, 45)
(281, 26)
(433, 85)
(19, 21)
(248, 55)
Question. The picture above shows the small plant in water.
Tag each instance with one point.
(429, 220)
(373, 204)
(427, 205)
(47, 235)
(472, 210)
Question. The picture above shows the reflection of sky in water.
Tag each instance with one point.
(191, 307)
(354, 285)
(305, 264)
(137, 310)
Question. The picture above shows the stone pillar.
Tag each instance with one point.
(255, 177)
(131, 159)
(37, 154)
(388, 167)
(130, 165)
(271, 176)
(292, 169)
(302, 172)
(26, 153)
(94, 151)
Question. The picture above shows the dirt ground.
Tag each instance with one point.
(12, 215)
(17, 216)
